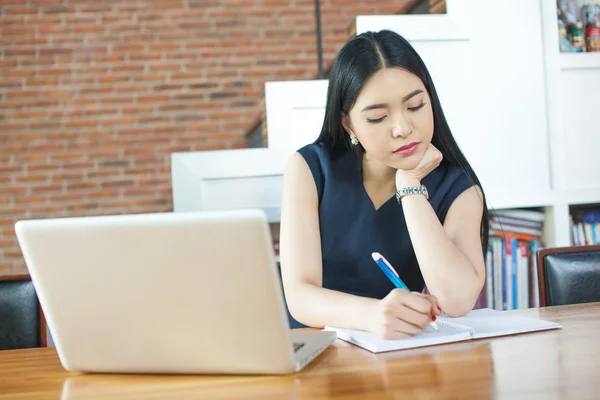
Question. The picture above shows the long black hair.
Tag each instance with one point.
(355, 64)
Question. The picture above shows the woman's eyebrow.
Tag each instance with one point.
(384, 105)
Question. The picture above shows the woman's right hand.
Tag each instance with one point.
(402, 314)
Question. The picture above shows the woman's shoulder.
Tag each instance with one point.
(321, 154)
(448, 174)
(445, 184)
(318, 149)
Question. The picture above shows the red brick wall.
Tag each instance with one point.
(95, 95)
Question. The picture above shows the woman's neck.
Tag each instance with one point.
(376, 173)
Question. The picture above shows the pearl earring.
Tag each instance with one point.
(354, 140)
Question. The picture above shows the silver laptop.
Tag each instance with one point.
(195, 293)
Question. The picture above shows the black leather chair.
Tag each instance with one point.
(569, 275)
(22, 323)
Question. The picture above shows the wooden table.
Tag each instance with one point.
(559, 364)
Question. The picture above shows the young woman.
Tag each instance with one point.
(385, 175)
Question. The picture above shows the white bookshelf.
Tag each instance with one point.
(498, 87)
(575, 61)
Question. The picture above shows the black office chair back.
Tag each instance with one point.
(20, 323)
(569, 275)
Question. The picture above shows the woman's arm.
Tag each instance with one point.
(301, 265)
(450, 256)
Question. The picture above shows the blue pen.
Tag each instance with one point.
(393, 276)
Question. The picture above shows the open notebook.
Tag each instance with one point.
(477, 324)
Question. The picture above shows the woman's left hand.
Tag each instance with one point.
(430, 161)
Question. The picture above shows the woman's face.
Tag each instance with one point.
(392, 118)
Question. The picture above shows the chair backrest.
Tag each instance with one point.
(22, 323)
(569, 275)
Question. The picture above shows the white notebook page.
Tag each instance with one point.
(428, 337)
(490, 323)
(477, 324)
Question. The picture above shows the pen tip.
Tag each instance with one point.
(376, 256)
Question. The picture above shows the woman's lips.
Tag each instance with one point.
(408, 149)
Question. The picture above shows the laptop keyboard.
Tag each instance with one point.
(298, 346)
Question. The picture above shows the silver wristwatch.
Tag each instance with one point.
(411, 190)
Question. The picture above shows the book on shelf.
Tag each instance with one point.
(585, 227)
(510, 261)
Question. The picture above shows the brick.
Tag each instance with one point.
(41, 167)
(124, 27)
(133, 131)
(10, 31)
(11, 127)
(83, 144)
(29, 41)
(112, 79)
(133, 6)
(19, 73)
(66, 113)
(89, 29)
(117, 100)
(164, 46)
(84, 123)
(115, 163)
(19, 52)
(117, 17)
(45, 125)
(151, 119)
(103, 194)
(46, 147)
(127, 48)
(94, 8)
(79, 19)
(31, 199)
(137, 109)
(10, 84)
(20, 10)
(165, 67)
(145, 57)
(44, 210)
(66, 197)
(109, 58)
(127, 68)
(82, 185)
(150, 77)
(66, 155)
(78, 165)
(152, 99)
(51, 29)
(102, 174)
(28, 115)
(95, 154)
(46, 188)
(66, 176)
(20, 157)
(186, 75)
(117, 183)
(54, 71)
(101, 111)
(203, 126)
(26, 137)
(8, 63)
(139, 150)
(167, 5)
(13, 189)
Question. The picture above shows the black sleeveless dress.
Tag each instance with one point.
(351, 228)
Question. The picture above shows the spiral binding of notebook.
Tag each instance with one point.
(458, 327)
